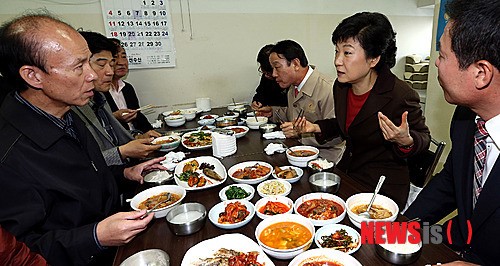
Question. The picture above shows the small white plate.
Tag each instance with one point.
(207, 248)
(200, 147)
(263, 201)
(329, 229)
(242, 165)
(209, 116)
(299, 171)
(219, 169)
(214, 212)
(247, 188)
(272, 186)
(324, 254)
(241, 134)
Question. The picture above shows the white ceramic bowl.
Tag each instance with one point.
(255, 121)
(175, 120)
(234, 106)
(170, 146)
(150, 192)
(189, 114)
(263, 201)
(214, 212)
(206, 122)
(299, 171)
(323, 254)
(300, 161)
(158, 177)
(274, 187)
(327, 196)
(282, 253)
(147, 257)
(209, 116)
(240, 134)
(364, 198)
(247, 188)
(242, 165)
(329, 229)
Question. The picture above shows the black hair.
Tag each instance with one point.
(21, 44)
(374, 33)
(98, 42)
(290, 50)
(263, 58)
(475, 31)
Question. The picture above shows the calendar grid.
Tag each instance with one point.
(144, 27)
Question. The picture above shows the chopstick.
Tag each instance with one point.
(301, 113)
(145, 107)
(280, 118)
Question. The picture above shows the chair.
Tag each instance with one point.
(422, 165)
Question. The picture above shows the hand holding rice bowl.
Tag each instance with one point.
(151, 194)
(168, 143)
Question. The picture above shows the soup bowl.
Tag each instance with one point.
(180, 193)
(363, 199)
(300, 155)
(269, 236)
(320, 200)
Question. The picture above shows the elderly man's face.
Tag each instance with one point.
(68, 79)
(103, 64)
(284, 72)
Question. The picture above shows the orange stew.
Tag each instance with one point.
(320, 209)
(302, 153)
(285, 235)
(234, 212)
(272, 208)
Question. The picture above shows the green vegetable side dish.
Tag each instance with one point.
(234, 192)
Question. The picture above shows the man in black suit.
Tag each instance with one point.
(469, 72)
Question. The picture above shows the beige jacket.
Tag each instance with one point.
(316, 98)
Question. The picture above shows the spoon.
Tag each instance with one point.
(366, 214)
(156, 206)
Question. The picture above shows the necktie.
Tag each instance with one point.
(296, 92)
(479, 158)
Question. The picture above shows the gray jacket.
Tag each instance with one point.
(109, 149)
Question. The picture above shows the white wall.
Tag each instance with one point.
(220, 60)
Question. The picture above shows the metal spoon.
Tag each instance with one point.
(366, 214)
(156, 206)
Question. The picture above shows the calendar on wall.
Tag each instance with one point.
(145, 29)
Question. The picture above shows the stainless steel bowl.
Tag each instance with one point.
(187, 218)
(324, 182)
(226, 121)
(397, 258)
(266, 128)
(148, 257)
